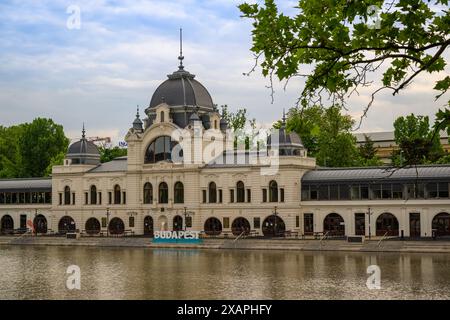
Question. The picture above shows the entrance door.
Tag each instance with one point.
(148, 226)
(414, 224)
(360, 224)
(23, 223)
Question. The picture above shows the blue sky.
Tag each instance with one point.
(124, 49)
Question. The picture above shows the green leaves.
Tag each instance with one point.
(334, 37)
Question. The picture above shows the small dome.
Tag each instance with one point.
(181, 89)
(288, 143)
(83, 152)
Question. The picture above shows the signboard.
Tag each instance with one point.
(192, 237)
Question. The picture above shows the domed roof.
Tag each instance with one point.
(83, 151)
(181, 89)
(288, 143)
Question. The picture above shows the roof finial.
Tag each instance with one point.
(83, 133)
(137, 111)
(180, 57)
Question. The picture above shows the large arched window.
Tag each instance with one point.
(161, 150)
(240, 191)
(273, 191)
(148, 193)
(93, 195)
(116, 194)
(178, 192)
(212, 190)
(163, 193)
(67, 195)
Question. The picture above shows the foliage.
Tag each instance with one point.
(26, 150)
(337, 44)
(418, 142)
(367, 153)
(236, 120)
(108, 154)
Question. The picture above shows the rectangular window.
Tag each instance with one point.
(264, 195)
(109, 197)
(99, 198)
(397, 191)
(226, 222)
(86, 200)
(386, 191)
(103, 222)
(354, 192)
(297, 221)
(334, 192)
(204, 196)
(220, 196)
(124, 197)
(23, 221)
(344, 192)
(188, 222)
(249, 195)
(60, 199)
(443, 190)
(364, 195)
(376, 191)
(314, 193)
(432, 190)
(308, 224)
(231, 195)
(360, 224)
(323, 192)
(131, 222)
(305, 193)
(48, 197)
(281, 194)
(73, 198)
(256, 223)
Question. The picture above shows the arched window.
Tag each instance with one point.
(212, 190)
(215, 124)
(162, 116)
(161, 150)
(178, 191)
(93, 195)
(273, 191)
(67, 195)
(116, 194)
(163, 193)
(148, 193)
(240, 192)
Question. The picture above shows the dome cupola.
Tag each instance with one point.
(83, 151)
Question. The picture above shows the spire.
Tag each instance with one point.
(83, 133)
(283, 122)
(137, 123)
(180, 57)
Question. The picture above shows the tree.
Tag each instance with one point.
(367, 153)
(41, 141)
(108, 154)
(336, 144)
(418, 143)
(344, 44)
(10, 158)
(236, 120)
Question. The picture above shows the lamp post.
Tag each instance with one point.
(186, 215)
(275, 222)
(107, 222)
(34, 222)
(369, 213)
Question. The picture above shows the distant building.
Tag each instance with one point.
(384, 143)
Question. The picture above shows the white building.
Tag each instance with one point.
(199, 182)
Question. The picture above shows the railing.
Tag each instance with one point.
(382, 238)
(239, 236)
(323, 237)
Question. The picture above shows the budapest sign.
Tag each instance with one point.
(177, 237)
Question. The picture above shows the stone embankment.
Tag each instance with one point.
(243, 244)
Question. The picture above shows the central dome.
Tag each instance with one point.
(181, 89)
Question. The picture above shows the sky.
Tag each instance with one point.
(98, 73)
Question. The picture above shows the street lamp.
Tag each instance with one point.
(369, 213)
(275, 222)
(186, 215)
(107, 222)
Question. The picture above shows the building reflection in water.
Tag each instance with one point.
(40, 273)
